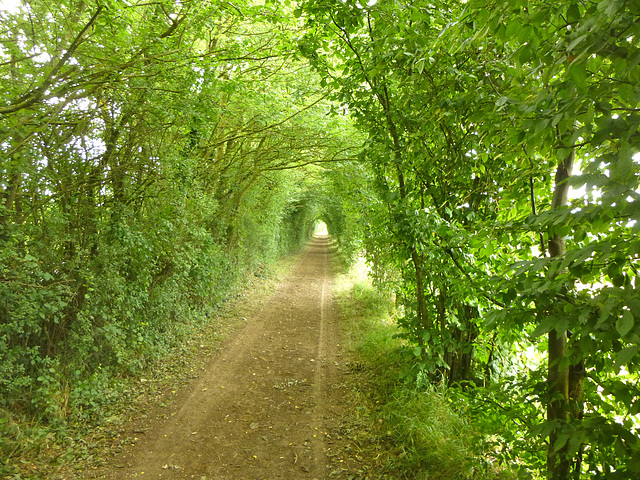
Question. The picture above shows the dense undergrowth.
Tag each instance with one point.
(81, 440)
(416, 431)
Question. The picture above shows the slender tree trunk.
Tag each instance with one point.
(416, 258)
(423, 317)
(576, 406)
(558, 464)
(9, 197)
(234, 214)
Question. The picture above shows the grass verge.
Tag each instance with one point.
(404, 432)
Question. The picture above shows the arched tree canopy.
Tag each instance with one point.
(484, 156)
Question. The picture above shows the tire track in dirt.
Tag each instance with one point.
(320, 386)
(266, 404)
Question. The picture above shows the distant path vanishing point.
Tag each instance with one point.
(266, 404)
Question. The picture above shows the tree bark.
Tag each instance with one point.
(558, 464)
(416, 258)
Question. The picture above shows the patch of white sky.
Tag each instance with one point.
(14, 7)
(10, 6)
(369, 3)
(581, 192)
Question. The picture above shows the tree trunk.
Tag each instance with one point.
(576, 406)
(423, 317)
(558, 374)
(422, 314)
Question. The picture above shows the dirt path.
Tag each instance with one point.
(266, 405)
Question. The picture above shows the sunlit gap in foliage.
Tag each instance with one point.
(593, 196)
(320, 229)
(595, 193)
(11, 6)
(623, 374)
(370, 3)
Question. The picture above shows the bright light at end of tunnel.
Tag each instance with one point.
(321, 229)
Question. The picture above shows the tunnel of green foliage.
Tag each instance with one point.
(483, 157)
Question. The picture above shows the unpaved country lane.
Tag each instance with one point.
(264, 407)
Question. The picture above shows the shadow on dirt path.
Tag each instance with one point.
(266, 405)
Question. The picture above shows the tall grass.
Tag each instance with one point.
(419, 434)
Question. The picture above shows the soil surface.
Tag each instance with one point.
(268, 404)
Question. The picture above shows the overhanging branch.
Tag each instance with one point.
(35, 95)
